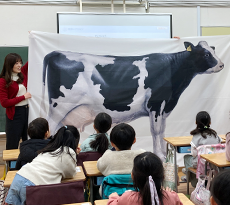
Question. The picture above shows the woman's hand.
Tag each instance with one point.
(27, 95)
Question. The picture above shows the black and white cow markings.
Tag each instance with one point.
(129, 87)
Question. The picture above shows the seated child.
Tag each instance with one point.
(219, 189)
(55, 162)
(148, 176)
(99, 142)
(38, 131)
(122, 138)
(202, 135)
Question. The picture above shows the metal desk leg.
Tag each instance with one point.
(175, 166)
(91, 190)
(7, 166)
(205, 168)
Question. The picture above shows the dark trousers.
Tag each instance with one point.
(17, 128)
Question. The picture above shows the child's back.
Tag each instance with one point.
(38, 131)
(202, 135)
(148, 176)
(99, 142)
(55, 162)
(122, 137)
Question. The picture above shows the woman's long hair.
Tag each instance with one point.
(10, 60)
(203, 121)
(145, 165)
(102, 124)
(67, 136)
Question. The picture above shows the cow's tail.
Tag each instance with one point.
(43, 112)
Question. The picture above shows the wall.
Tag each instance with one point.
(24, 18)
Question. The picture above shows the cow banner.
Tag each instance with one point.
(158, 86)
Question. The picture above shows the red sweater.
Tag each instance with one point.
(8, 97)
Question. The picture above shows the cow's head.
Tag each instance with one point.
(204, 57)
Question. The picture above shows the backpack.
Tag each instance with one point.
(116, 183)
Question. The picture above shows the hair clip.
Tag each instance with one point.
(205, 127)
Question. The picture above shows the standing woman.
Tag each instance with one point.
(14, 97)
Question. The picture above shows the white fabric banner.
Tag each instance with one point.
(143, 81)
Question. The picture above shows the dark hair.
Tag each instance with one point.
(145, 165)
(67, 136)
(102, 123)
(10, 60)
(122, 135)
(220, 188)
(38, 128)
(203, 121)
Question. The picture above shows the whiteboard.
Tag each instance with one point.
(122, 25)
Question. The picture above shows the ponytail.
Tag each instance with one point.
(68, 137)
(148, 169)
(203, 121)
(101, 143)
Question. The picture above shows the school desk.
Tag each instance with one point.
(217, 159)
(181, 196)
(181, 142)
(91, 171)
(80, 176)
(10, 155)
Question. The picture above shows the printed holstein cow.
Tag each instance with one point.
(126, 87)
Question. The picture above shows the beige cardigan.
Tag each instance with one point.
(117, 162)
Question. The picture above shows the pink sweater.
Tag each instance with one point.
(132, 198)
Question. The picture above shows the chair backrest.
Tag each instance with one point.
(63, 193)
(116, 183)
(87, 156)
(206, 149)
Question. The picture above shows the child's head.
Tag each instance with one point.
(67, 136)
(145, 165)
(122, 136)
(203, 121)
(220, 189)
(38, 129)
(102, 124)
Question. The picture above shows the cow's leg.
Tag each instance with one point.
(157, 126)
(162, 133)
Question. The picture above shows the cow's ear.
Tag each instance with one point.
(189, 46)
(213, 47)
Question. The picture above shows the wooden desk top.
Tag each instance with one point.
(181, 196)
(218, 159)
(9, 155)
(184, 140)
(184, 199)
(11, 174)
(179, 141)
(91, 168)
(101, 202)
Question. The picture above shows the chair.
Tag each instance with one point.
(206, 149)
(190, 169)
(62, 193)
(203, 149)
(118, 183)
(87, 156)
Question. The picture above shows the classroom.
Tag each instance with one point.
(114, 102)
